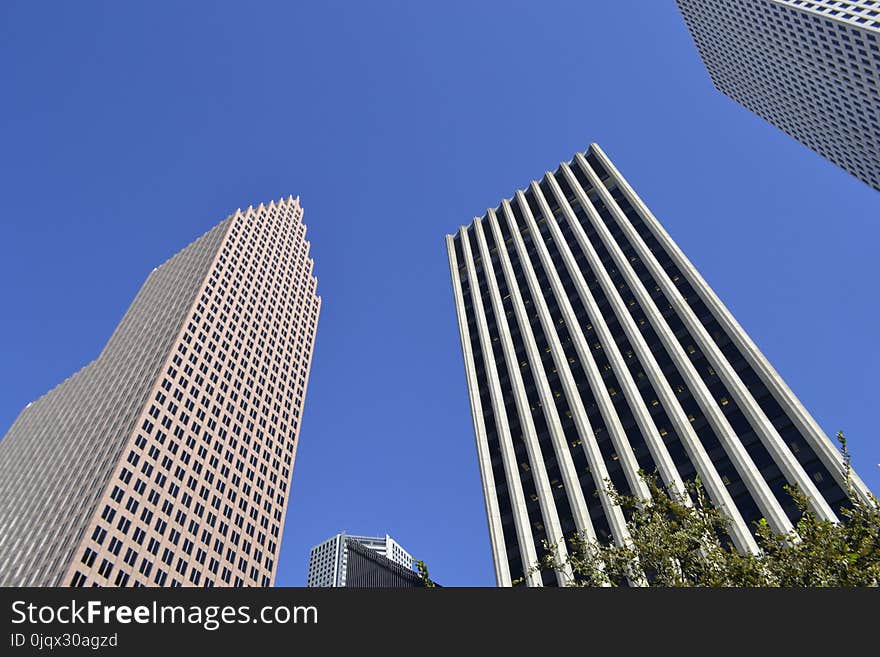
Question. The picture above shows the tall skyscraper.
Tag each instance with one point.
(345, 560)
(593, 349)
(167, 460)
(809, 67)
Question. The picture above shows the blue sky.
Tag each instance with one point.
(128, 130)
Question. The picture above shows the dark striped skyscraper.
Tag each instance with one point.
(167, 460)
(593, 349)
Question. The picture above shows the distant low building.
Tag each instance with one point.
(361, 561)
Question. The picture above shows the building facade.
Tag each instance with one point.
(594, 350)
(167, 460)
(809, 67)
(334, 563)
(369, 569)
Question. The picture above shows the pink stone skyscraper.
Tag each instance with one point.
(167, 460)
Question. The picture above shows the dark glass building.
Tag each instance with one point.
(593, 349)
(367, 568)
(344, 560)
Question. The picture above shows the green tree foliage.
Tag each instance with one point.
(423, 573)
(681, 540)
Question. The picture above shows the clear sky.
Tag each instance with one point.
(128, 129)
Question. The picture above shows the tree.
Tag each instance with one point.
(676, 543)
(423, 574)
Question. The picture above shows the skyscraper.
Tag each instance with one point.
(809, 67)
(593, 349)
(167, 460)
(345, 560)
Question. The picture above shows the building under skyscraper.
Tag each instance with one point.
(167, 460)
(809, 67)
(362, 561)
(594, 350)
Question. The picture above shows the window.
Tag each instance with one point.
(99, 534)
(130, 556)
(88, 557)
(106, 568)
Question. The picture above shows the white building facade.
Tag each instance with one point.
(593, 350)
(809, 67)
